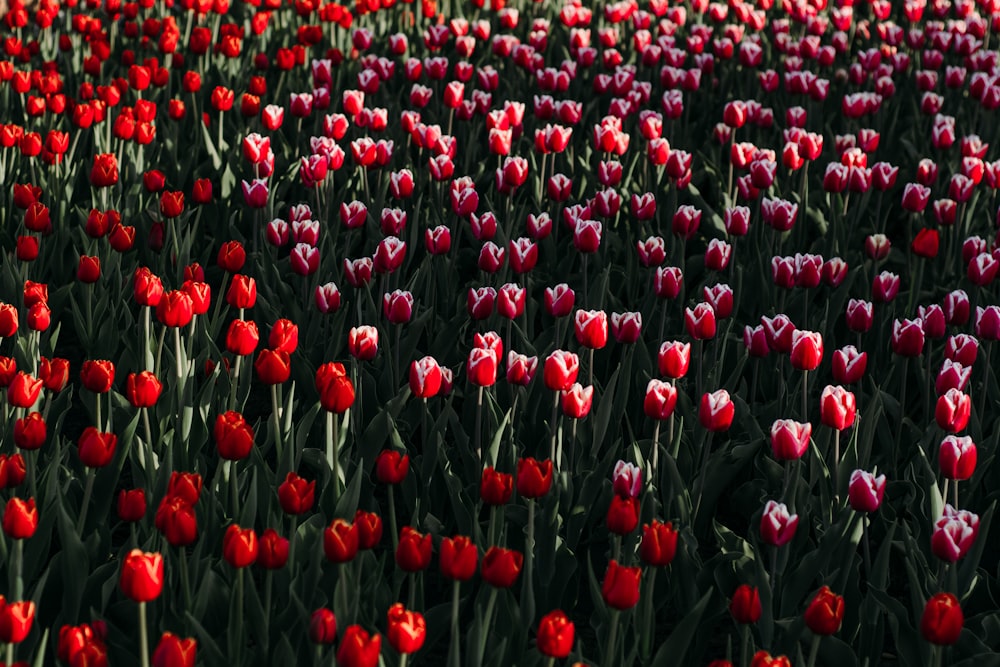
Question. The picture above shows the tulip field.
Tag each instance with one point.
(498, 332)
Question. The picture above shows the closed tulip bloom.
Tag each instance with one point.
(30, 431)
(131, 505)
(143, 389)
(837, 407)
(659, 544)
(24, 390)
(745, 606)
(142, 576)
(865, 491)
(860, 315)
(20, 518)
(957, 457)
(521, 369)
(273, 366)
(790, 439)
(954, 534)
(336, 391)
(952, 375)
(496, 488)
(185, 485)
(555, 635)
(956, 307)
(501, 567)
(242, 337)
(406, 630)
(391, 466)
(358, 648)
(459, 558)
(482, 367)
(175, 309)
(327, 298)
(777, 526)
(720, 298)
(591, 328)
(16, 619)
(825, 613)
(667, 282)
(284, 336)
(97, 376)
(174, 651)
(623, 514)
(242, 292)
(577, 401)
(397, 306)
(414, 551)
(534, 478)
(340, 541)
(323, 627)
(369, 529)
(8, 320)
(674, 359)
(560, 370)
(807, 349)
(296, 495)
(953, 410)
(176, 519)
(700, 321)
(272, 550)
(988, 323)
(233, 436)
(425, 377)
(96, 449)
(559, 300)
(626, 327)
(362, 342)
(511, 300)
(942, 620)
(12, 471)
(716, 411)
(239, 546)
(849, 365)
(885, 287)
(620, 588)
(907, 337)
(626, 480)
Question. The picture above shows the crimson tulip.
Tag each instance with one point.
(555, 635)
(414, 551)
(825, 613)
(142, 576)
(296, 495)
(942, 619)
(745, 606)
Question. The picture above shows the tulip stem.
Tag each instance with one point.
(147, 341)
(656, 452)
(487, 621)
(479, 426)
(332, 454)
(234, 386)
(865, 546)
(88, 490)
(552, 426)
(143, 637)
(402, 659)
(836, 467)
(609, 650)
(454, 650)
(276, 418)
(234, 489)
(185, 579)
(528, 588)
(648, 619)
(10, 655)
(238, 634)
(744, 645)
(805, 396)
(813, 651)
(147, 451)
(18, 567)
(392, 519)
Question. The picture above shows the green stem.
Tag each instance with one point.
(609, 650)
(332, 455)
(276, 419)
(392, 519)
(744, 645)
(234, 489)
(454, 650)
(528, 588)
(813, 651)
(479, 426)
(648, 620)
(238, 634)
(185, 579)
(552, 426)
(88, 490)
(143, 637)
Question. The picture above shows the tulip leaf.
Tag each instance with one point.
(672, 652)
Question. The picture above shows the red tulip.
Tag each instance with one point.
(233, 436)
(176, 519)
(239, 546)
(534, 478)
(131, 505)
(459, 558)
(620, 588)
(358, 648)
(837, 407)
(336, 391)
(322, 627)
(591, 328)
(30, 431)
(790, 439)
(716, 411)
(296, 495)
(391, 466)
(659, 544)
(807, 350)
(957, 457)
(555, 635)
(16, 619)
(825, 613)
(942, 620)
(142, 576)
(953, 410)
(406, 630)
(777, 526)
(20, 518)
(96, 449)
(865, 491)
(414, 551)
(496, 488)
(560, 371)
(500, 567)
(954, 534)
(173, 651)
(340, 541)
(745, 606)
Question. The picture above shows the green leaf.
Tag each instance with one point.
(672, 652)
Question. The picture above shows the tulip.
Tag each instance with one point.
(716, 411)
(495, 488)
(340, 541)
(369, 529)
(142, 576)
(954, 534)
(534, 478)
(358, 648)
(777, 526)
(849, 365)
(414, 551)
(790, 439)
(500, 567)
(131, 506)
(296, 495)
(406, 630)
(16, 619)
(659, 544)
(765, 659)
(591, 328)
(957, 457)
(942, 620)
(859, 315)
(825, 613)
(952, 410)
(907, 337)
(239, 546)
(233, 436)
(459, 558)
(30, 431)
(779, 331)
(173, 651)
(673, 359)
(620, 588)
(391, 467)
(176, 520)
(362, 342)
(667, 282)
(425, 378)
(555, 635)
(807, 350)
(700, 322)
(482, 367)
(336, 391)
(397, 306)
(865, 491)
(20, 518)
(322, 627)
(745, 606)
(577, 400)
